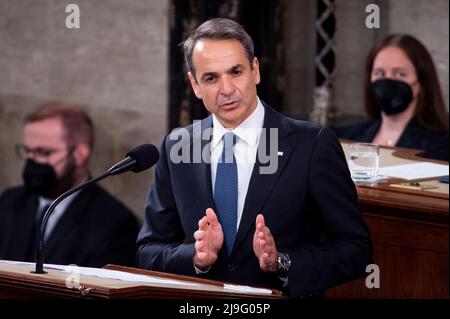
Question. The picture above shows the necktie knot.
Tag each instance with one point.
(229, 140)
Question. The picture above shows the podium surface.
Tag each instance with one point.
(17, 281)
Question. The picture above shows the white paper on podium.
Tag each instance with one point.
(110, 274)
(120, 275)
(414, 170)
(247, 289)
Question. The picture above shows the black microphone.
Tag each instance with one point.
(138, 159)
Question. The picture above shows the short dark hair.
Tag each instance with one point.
(77, 124)
(217, 29)
(430, 111)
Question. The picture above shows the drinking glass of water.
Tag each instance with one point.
(363, 161)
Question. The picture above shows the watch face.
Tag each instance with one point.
(284, 262)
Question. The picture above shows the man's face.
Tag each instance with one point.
(224, 80)
(46, 137)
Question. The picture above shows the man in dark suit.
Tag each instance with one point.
(218, 208)
(88, 228)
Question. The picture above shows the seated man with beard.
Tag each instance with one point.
(88, 228)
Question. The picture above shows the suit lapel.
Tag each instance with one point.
(409, 137)
(261, 185)
(371, 131)
(19, 245)
(201, 170)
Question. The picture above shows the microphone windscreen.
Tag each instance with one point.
(145, 155)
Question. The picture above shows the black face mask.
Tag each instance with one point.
(38, 178)
(41, 179)
(391, 96)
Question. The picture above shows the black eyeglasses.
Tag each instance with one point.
(23, 152)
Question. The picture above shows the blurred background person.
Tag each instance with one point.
(88, 228)
(403, 99)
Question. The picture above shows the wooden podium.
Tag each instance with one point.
(409, 230)
(17, 282)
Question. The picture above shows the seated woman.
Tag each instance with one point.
(403, 100)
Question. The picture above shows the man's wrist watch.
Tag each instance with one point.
(284, 262)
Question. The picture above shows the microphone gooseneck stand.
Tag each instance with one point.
(138, 159)
(40, 248)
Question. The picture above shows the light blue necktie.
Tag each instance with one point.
(226, 191)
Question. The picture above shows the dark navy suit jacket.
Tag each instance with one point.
(311, 194)
(433, 143)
